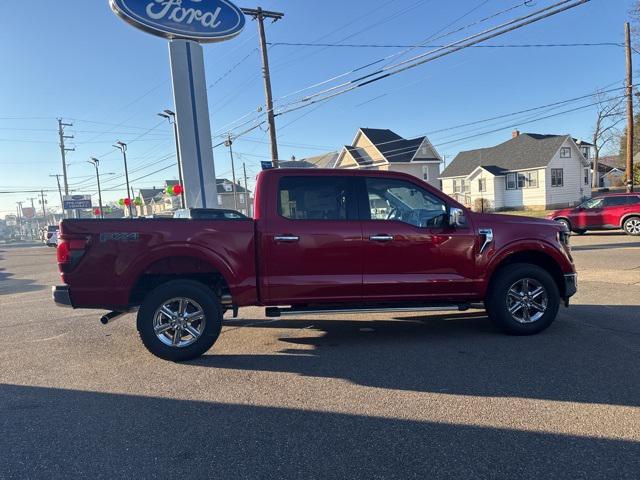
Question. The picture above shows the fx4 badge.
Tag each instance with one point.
(119, 237)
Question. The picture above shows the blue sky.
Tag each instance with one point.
(75, 59)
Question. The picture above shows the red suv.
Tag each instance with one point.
(607, 212)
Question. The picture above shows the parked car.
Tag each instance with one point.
(608, 212)
(323, 241)
(48, 233)
(52, 240)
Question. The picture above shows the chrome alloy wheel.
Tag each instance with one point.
(632, 226)
(527, 300)
(179, 322)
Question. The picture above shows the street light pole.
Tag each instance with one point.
(229, 143)
(123, 148)
(171, 116)
(95, 162)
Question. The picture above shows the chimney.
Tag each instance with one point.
(515, 133)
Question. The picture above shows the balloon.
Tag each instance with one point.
(127, 201)
(97, 211)
(121, 201)
(170, 191)
(138, 202)
(178, 190)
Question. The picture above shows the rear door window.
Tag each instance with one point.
(316, 198)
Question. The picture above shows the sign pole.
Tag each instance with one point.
(193, 124)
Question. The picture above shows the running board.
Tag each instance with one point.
(275, 312)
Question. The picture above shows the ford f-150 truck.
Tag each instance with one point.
(321, 241)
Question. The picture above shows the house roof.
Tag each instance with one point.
(220, 183)
(149, 194)
(326, 160)
(395, 148)
(615, 161)
(527, 150)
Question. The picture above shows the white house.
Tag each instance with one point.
(382, 149)
(529, 171)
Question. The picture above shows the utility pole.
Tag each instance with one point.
(630, 142)
(95, 162)
(259, 15)
(171, 116)
(43, 202)
(247, 197)
(63, 152)
(123, 148)
(59, 190)
(228, 143)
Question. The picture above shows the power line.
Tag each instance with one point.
(421, 59)
(522, 45)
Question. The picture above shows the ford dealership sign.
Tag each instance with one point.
(199, 20)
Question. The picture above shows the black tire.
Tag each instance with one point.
(565, 222)
(497, 301)
(631, 226)
(187, 289)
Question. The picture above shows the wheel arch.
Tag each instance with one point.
(627, 216)
(536, 257)
(181, 265)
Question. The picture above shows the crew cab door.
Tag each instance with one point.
(410, 251)
(312, 242)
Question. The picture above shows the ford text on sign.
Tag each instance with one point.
(199, 20)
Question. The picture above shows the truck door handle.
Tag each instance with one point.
(286, 238)
(381, 238)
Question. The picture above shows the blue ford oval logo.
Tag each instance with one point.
(200, 20)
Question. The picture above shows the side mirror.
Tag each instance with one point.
(457, 218)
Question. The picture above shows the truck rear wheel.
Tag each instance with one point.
(180, 320)
(523, 299)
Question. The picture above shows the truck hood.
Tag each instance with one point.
(489, 219)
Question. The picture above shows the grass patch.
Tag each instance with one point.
(528, 213)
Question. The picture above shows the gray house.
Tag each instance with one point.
(529, 171)
(226, 197)
(382, 149)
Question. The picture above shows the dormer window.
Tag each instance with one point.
(565, 152)
(585, 152)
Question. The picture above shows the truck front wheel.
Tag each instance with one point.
(523, 299)
(180, 320)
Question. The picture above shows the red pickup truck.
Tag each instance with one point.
(321, 241)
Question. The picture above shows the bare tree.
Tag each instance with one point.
(610, 113)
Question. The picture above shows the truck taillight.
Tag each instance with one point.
(70, 250)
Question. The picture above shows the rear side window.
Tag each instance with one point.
(618, 201)
(316, 198)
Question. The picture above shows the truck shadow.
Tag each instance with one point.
(80, 433)
(11, 285)
(590, 356)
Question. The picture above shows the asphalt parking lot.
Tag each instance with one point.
(400, 396)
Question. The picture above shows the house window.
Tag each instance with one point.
(456, 186)
(482, 185)
(531, 179)
(585, 152)
(565, 152)
(586, 176)
(521, 180)
(465, 186)
(511, 181)
(228, 187)
(557, 177)
(241, 198)
(425, 173)
(219, 199)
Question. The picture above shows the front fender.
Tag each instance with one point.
(497, 257)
